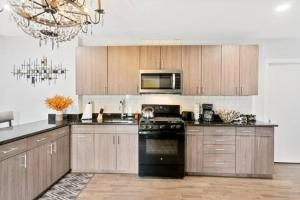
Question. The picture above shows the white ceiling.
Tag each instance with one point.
(189, 20)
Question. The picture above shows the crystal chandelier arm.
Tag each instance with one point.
(76, 13)
(39, 4)
(54, 19)
(34, 16)
(47, 4)
(97, 18)
(67, 17)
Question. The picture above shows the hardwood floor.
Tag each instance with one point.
(284, 186)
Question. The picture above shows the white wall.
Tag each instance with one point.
(24, 99)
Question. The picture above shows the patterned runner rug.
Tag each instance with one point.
(68, 188)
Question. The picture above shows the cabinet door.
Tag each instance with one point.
(230, 70)
(264, 155)
(249, 70)
(194, 153)
(123, 70)
(191, 69)
(83, 154)
(105, 152)
(127, 153)
(245, 146)
(60, 158)
(91, 70)
(171, 57)
(211, 70)
(13, 178)
(150, 57)
(38, 170)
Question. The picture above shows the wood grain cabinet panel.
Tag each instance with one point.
(171, 57)
(211, 70)
(150, 57)
(91, 70)
(245, 154)
(105, 152)
(191, 70)
(264, 151)
(127, 153)
(230, 70)
(249, 55)
(194, 153)
(13, 178)
(123, 70)
(83, 153)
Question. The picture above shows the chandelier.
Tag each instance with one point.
(56, 21)
(39, 71)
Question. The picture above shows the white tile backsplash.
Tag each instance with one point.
(111, 103)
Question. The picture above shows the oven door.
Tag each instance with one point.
(161, 148)
(160, 82)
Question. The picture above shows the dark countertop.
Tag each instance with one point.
(22, 131)
(250, 124)
(95, 122)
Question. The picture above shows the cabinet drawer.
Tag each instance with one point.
(40, 139)
(105, 129)
(61, 132)
(219, 131)
(83, 129)
(265, 131)
(12, 149)
(127, 129)
(219, 149)
(245, 131)
(217, 139)
(194, 130)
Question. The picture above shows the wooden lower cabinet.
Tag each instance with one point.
(13, 178)
(83, 153)
(194, 153)
(245, 154)
(264, 155)
(105, 152)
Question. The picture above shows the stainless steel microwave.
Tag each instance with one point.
(160, 82)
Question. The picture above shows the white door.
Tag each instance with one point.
(283, 108)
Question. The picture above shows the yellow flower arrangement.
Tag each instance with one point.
(58, 102)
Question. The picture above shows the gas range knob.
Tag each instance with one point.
(149, 126)
(178, 126)
(162, 126)
(143, 127)
(173, 126)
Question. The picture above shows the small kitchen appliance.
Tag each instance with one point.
(187, 116)
(208, 113)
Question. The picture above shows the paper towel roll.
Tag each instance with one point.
(88, 112)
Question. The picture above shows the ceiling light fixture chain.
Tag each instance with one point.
(56, 20)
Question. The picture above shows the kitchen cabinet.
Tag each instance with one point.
(150, 57)
(105, 152)
(230, 70)
(211, 70)
(91, 70)
(264, 151)
(248, 70)
(194, 149)
(123, 70)
(13, 178)
(171, 57)
(191, 69)
(83, 152)
(245, 150)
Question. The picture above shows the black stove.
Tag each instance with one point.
(161, 143)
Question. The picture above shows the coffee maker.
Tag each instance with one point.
(208, 113)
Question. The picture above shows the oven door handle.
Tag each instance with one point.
(160, 133)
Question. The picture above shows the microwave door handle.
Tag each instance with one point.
(174, 80)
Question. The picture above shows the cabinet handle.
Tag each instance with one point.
(24, 164)
(220, 149)
(220, 140)
(51, 149)
(236, 91)
(198, 91)
(10, 150)
(193, 130)
(118, 139)
(42, 139)
(113, 139)
(241, 91)
(219, 163)
(81, 136)
(246, 131)
(220, 131)
(55, 147)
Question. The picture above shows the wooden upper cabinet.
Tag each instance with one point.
(91, 70)
(171, 57)
(211, 70)
(123, 70)
(150, 57)
(230, 70)
(249, 70)
(191, 69)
